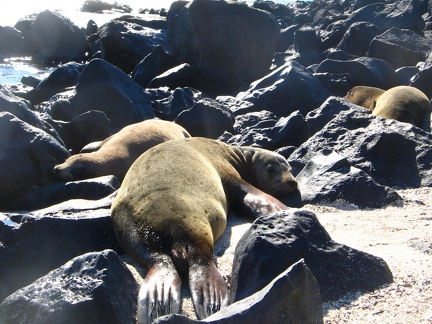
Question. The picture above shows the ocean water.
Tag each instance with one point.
(13, 69)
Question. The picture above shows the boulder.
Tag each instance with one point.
(363, 71)
(400, 47)
(272, 134)
(392, 153)
(93, 288)
(277, 241)
(12, 42)
(291, 297)
(357, 38)
(32, 244)
(27, 156)
(402, 14)
(86, 128)
(66, 75)
(422, 81)
(124, 44)
(54, 39)
(319, 117)
(102, 86)
(289, 88)
(57, 192)
(330, 177)
(179, 100)
(24, 110)
(230, 42)
(154, 64)
(206, 118)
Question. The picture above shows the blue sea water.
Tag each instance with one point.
(13, 69)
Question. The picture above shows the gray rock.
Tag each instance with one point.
(231, 43)
(363, 70)
(276, 241)
(102, 86)
(93, 288)
(393, 153)
(357, 38)
(285, 90)
(32, 244)
(27, 156)
(292, 297)
(57, 192)
(400, 47)
(206, 118)
(329, 178)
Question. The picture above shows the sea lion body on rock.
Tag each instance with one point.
(364, 96)
(403, 103)
(172, 206)
(406, 104)
(115, 154)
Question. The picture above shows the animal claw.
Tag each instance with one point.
(208, 288)
(159, 294)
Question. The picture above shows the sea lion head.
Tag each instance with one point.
(77, 167)
(272, 173)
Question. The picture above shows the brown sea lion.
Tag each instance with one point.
(406, 104)
(116, 154)
(364, 96)
(172, 206)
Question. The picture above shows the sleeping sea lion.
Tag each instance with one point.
(172, 206)
(364, 96)
(115, 154)
(406, 104)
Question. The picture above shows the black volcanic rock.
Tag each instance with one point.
(94, 288)
(276, 241)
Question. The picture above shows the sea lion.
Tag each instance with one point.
(172, 206)
(115, 154)
(364, 96)
(406, 104)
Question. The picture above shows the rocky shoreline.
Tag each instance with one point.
(270, 75)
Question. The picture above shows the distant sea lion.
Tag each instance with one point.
(403, 103)
(115, 154)
(406, 104)
(172, 206)
(364, 96)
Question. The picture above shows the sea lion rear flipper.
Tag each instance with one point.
(255, 202)
(159, 293)
(208, 288)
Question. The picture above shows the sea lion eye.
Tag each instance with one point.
(271, 170)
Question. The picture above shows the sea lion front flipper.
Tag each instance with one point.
(255, 202)
(159, 293)
(208, 288)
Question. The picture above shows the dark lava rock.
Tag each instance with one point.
(285, 90)
(154, 64)
(102, 86)
(206, 118)
(292, 297)
(93, 288)
(64, 76)
(124, 44)
(357, 38)
(86, 128)
(32, 244)
(277, 241)
(400, 47)
(364, 71)
(393, 153)
(54, 39)
(27, 156)
(57, 192)
(231, 43)
(329, 178)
